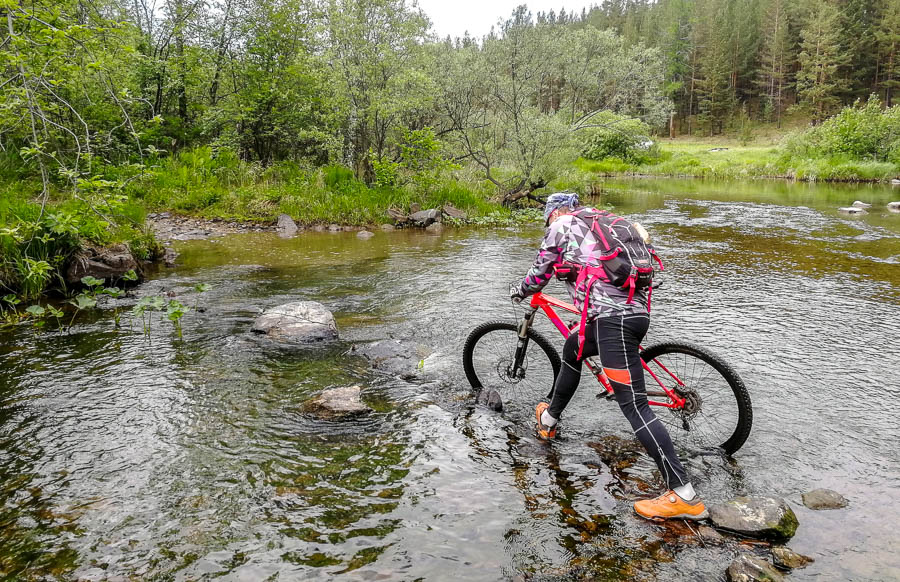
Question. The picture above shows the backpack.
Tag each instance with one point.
(626, 260)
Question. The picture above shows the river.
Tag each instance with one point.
(126, 456)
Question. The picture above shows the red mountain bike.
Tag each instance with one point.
(701, 399)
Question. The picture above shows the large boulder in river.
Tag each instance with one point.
(824, 499)
(108, 263)
(425, 217)
(756, 517)
(860, 204)
(299, 322)
(894, 206)
(852, 210)
(286, 226)
(337, 404)
(747, 568)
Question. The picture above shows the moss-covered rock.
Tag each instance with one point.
(757, 517)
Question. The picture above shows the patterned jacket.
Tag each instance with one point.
(570, 239)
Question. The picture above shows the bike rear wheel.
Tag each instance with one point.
(488, 357)
(717, 411)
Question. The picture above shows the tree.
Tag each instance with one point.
(820, 59)
(888, 38)
(715, 91)
(775, 59)
(375, 52)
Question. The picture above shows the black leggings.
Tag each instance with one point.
(615, 339)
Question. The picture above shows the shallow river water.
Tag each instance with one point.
(133, 457)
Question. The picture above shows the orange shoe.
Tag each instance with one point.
(670, 506)
(543, 431)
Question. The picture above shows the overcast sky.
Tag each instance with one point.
(454, 17)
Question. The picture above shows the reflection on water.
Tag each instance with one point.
(123, 457)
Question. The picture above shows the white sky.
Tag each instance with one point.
(454, 17)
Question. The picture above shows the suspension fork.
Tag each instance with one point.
(517, 370)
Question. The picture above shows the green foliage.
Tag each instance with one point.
(863, 131)
(626, 139)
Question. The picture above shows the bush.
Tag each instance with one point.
(619, 137)
(862, 131)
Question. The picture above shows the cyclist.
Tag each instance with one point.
(614, 331)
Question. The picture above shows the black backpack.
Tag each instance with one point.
(626, 259)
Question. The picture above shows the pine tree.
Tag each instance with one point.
(888, 38)
(774, 60)
(859, 23)
(820, 59)
(714, 88)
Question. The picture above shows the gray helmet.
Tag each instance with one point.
(567, 200)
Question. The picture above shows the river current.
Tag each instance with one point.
(133, 456)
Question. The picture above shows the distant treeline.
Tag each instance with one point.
(759, 56)
(106, 88)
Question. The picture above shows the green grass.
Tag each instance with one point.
(198, 183)
(692, 158)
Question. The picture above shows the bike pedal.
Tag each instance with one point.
(610, 395)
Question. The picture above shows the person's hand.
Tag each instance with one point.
(515, 294)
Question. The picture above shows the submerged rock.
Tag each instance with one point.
(364, 234)
(860, 204)
(824, 499)
(108, 263)
(852, 210)
(788, 559)
(491, 399)
(756, 517)
(169, 257)
(286, 226)
(337, 403)
(394, 356)
(298, 322)
(435, 228)
(747, 568)
(387, 227)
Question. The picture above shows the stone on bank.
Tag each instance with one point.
(301, 322)
(109, 263)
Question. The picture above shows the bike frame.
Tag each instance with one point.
(546, 303)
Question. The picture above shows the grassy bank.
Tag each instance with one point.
(37, 239)
(859, 144)
(729, 159)
(197, 183)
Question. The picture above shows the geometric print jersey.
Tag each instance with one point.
(571, 239)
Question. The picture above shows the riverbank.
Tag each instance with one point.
(729, 159)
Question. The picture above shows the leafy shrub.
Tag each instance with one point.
(618, 137)
(862, 131)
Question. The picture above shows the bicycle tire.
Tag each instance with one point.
(705, 393)
(484, 368)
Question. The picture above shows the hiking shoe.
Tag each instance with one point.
(670, 506)
(543, 431)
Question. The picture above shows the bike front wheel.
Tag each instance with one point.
(717, 413)
(489, 362)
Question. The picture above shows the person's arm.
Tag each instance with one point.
(549, 255)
